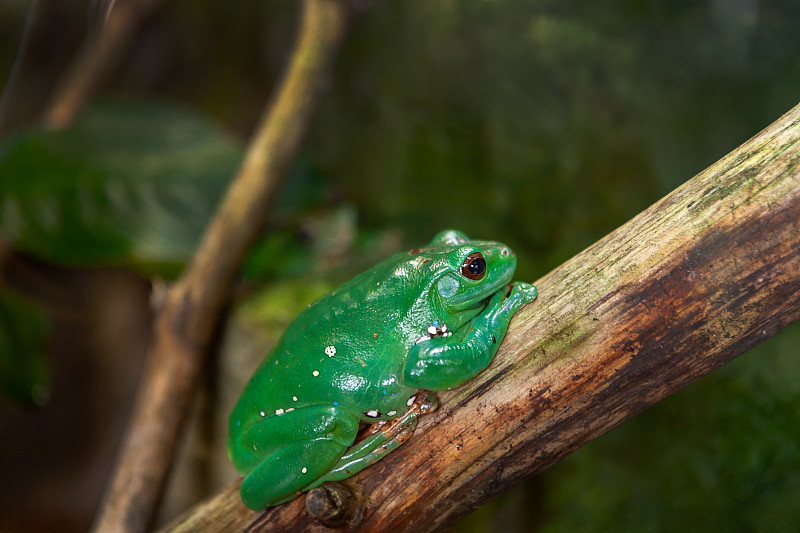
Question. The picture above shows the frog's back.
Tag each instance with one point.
(342, 349)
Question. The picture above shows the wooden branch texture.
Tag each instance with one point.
(192, 307)
(690, 283)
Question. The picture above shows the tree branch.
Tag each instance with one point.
(687, 285)
(187, 319)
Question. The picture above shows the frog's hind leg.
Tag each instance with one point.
(381, 441)
(320, 437)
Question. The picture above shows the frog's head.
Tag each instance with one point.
(451, 278)
(470, 270)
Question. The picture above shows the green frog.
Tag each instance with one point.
(368, 352)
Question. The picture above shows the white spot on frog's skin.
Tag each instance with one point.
(290, 409)
(434, 330)
(391, 413)
(279, 412)
(330, 351)
(372, 413)
(294, 398)
(304, 470)
(263, 414)
(315, 373)
(411, 400)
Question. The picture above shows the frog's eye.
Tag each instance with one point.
(474, 266)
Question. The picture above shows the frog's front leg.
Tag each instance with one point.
(442, 363)
(383, 438)
(292, 450)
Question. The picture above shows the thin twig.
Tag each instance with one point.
(192, 307)
(695, 280)
(7, 99)
(100, 52)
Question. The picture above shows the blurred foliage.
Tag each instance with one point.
(23, 337)
(274, 308)
(542, 123)
(130, 183)
(547, 122)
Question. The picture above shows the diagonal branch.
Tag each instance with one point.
(695, 280)
(191, 309)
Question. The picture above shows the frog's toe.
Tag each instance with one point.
(524, 291)
(427, 402)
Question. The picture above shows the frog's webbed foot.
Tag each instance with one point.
(380, 439)
(519, 293)
(505, 303)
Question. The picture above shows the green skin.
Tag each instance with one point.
(360, 354)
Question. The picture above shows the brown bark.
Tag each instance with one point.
(191, 308)
(687, 285)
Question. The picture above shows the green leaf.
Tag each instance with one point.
(23, 337)
(130, 183)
